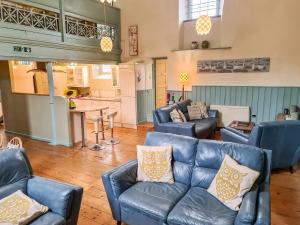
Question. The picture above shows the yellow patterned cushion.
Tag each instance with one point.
(19, 209)
(154, 164)
(232, 182)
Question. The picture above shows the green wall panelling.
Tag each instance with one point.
(145, 105)
(265, 102)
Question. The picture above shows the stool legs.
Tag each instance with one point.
(112, 140)
(97, 146)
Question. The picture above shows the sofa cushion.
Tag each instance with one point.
(184, 104)
(164, 114)
(49, 218)
(210, 155)
(150, 203)
(184, 151)
(16, 167)
(204, 127)
(201, 208)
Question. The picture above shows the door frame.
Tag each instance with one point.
(154, 77)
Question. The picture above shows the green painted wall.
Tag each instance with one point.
(265, 102)
(145, 105)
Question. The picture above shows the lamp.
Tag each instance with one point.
(183, 79)
(203, 25)
(106, 42)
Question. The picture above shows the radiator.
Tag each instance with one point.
(227, 114)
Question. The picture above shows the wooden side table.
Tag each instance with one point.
(242, 126)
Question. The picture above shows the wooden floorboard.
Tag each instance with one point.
(84, 168)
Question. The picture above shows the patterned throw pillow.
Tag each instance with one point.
(232, 182)
(177, 116)
(154, 164)
(194, 112)
(19, 209)
(203, 109)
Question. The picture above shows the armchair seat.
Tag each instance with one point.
(204, 127)
(49, 218)
(200, 207)
(158, 200)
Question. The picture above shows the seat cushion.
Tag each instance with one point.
(49, 218)
(201, 208)
(150, 203)
(205, 127)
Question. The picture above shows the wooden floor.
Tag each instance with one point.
(84, 168)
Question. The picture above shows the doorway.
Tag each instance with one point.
(160, 67)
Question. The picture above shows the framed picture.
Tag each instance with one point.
(133, 40)
(249, 65)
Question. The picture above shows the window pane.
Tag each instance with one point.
(203, 7)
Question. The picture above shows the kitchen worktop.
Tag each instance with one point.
(112, 99)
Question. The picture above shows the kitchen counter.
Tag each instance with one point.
(115, 99)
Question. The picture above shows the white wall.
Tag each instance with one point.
(253, 28)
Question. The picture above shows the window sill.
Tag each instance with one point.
(191, 20)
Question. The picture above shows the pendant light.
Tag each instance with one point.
(203, 25)
(107, 1)
(106, 42)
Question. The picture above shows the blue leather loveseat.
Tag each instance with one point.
(282, 137)
(63, 200)
(194, 128)
(187, 202)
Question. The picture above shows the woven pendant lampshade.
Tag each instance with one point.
(203, 25)
(106, 44)
(183, 78)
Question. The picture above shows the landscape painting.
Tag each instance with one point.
(250, 65)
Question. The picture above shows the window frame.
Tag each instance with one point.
(188, 14)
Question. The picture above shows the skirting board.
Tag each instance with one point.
(38, 138)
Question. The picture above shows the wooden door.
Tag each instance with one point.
(161, 83)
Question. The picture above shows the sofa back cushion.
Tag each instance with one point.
(183, 105)
(164, 114)
(184, 152)
(15, 170)
(210, 155)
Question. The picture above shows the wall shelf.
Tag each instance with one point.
(202, 49)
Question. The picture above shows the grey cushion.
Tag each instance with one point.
(157, 199)
(201, 208)
(204, 127)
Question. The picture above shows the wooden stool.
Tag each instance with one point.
(97, 146)
(111, 118)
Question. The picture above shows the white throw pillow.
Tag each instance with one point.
(203, 108)
(154, 164)
(19, 209)
(177, 116)
(232, 182)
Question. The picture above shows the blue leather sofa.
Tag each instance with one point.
(187, 202)
(194, 128)
(282, 137)
(63, 200)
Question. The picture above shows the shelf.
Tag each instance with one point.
(202, 49)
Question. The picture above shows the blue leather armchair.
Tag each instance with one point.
(282, 137)
(62, 199)
(187, 202)
(193, 128)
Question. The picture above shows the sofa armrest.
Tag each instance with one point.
(232, 135)
(263, 207)
(187, 129)
(61, 198)
(116, 182)
(247, 212)
(212, 113)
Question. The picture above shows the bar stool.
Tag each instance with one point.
(97, 146)
(111, 118)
